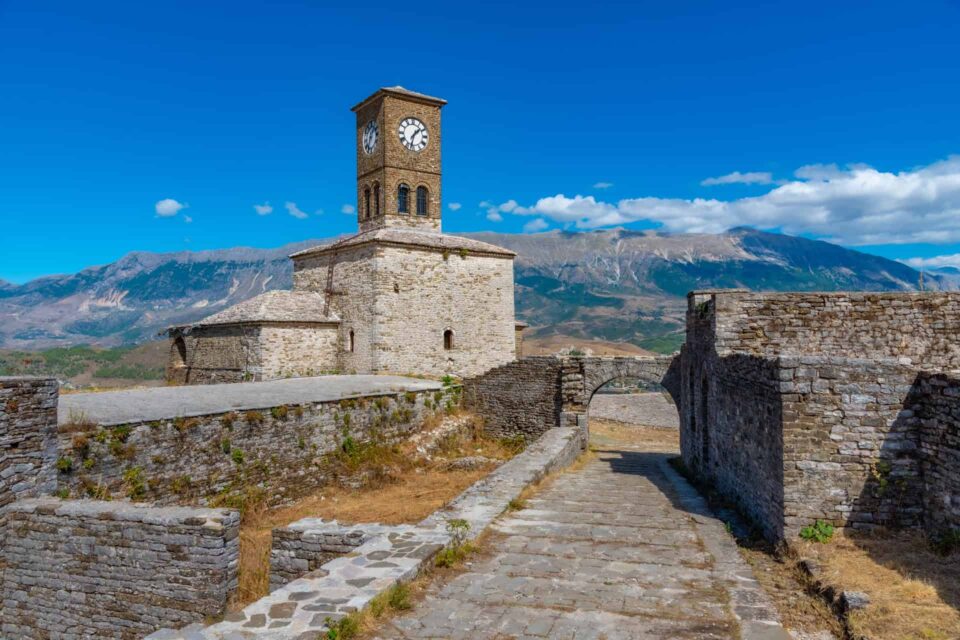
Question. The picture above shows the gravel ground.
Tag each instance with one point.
(649, 409)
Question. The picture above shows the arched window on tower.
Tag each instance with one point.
(422, 201)
(376, 199)
(366, 203)
(403, 199)
(448, 339)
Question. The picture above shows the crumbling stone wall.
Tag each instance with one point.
(520, 398)
(28, 443)
(90, 569)
(183, 458)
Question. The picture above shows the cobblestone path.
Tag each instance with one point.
(620, 548)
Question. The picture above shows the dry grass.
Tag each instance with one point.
(914, 592)
(400, 490)
(609, 433)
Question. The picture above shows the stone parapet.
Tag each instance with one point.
(91, 569)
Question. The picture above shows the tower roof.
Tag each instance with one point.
(403, 93)
(410, 238)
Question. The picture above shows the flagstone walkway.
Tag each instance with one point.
(620, 548)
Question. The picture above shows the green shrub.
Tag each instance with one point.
(63, 494)
(136, 483)
(237, 456)
(947, 542)
(227, 420)
(225, 445)
(279, 413)
(399, 598)
(185, 424)
(65, 464)
(819, 531)
(88, 463)
(253, 417)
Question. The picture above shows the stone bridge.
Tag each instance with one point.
(533, 394)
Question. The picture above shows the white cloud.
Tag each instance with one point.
(187, 219)
(454, 206)
(751, 177)
(952, 260)
(168, 207)
(263, 209)
(856, 205)
(537, 224)
(602, 185)
(295, 211)
(348, 209)
(494, 211)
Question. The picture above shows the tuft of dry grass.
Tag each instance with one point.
(914, 592)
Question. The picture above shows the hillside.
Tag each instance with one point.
(613, 285)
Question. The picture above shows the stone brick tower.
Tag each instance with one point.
(398, 160)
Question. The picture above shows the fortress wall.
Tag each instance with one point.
(520, 398)
(919, 328)
(938, 421)
(181, 458)
(730, 433)
(77, 569)
(28, 429)
(850, 443)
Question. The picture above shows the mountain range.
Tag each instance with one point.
(615, 285)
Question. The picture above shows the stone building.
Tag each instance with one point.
(400, 296)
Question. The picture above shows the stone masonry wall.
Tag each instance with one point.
(918, 328)
(520, 398)
(180, 459)
(28, 428)
(215, 354)
(850, 443)
(354, 271)
(294, 350)
(937, 413)
(422, 293)
(90, 569)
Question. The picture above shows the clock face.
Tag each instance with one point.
(370, 137)
(413, 134)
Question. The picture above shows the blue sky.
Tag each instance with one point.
(831, 120)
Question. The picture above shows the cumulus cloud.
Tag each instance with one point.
(454, 206)
(263, 209)
(495, 211)
(602, 185)
(295, 211)
(348, 209)
(952, 260)
(537, 224)
(168, 207)
(751, 177)
(856, 205)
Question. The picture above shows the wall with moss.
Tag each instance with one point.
(284, 450)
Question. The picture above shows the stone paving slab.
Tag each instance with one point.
(649, 409)
(158, 403)
(647, 560)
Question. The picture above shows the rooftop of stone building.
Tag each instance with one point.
(410, 238)
(146, 405)
(401, 91)
(272, 306)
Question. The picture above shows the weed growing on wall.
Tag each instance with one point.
(819, 531)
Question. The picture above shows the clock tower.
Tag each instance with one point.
(398, 160)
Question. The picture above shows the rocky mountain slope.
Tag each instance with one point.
(611, 284)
